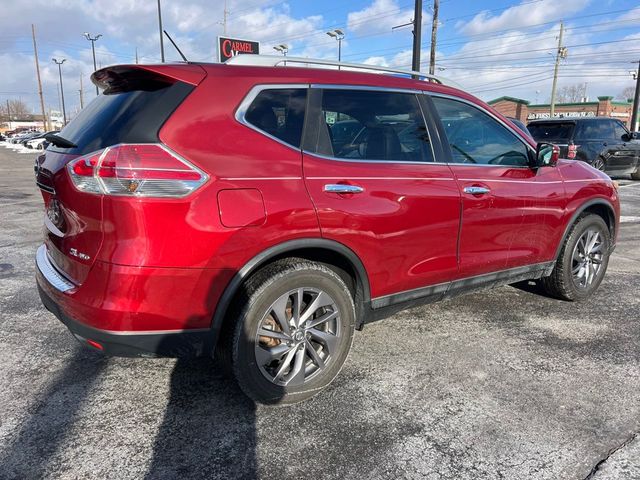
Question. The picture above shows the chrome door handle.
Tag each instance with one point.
(341, 188)
(476, 190)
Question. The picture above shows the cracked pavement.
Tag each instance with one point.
(504, 383)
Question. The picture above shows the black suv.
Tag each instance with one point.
(604, 143)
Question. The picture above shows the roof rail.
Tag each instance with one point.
(276, 60)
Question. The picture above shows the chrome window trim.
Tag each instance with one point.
(246, 102)
(517, 134)
(50, 272)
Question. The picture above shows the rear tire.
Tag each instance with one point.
(292, 331)
(582, 262)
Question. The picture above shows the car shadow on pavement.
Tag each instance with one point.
(208, 429)
(50, 418)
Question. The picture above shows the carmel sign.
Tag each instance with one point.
(230, 47)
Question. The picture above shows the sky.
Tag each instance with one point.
(491, 48)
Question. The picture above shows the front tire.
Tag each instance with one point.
(599, 164)
(293, 331)
(582, 262)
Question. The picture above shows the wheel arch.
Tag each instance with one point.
(598, 207)
(333, 254)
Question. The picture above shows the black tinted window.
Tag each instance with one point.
(620, 130)
(133, 116)
(595, 130)
(551, 132)
(475, 137)
(370, 125)
(279, 113)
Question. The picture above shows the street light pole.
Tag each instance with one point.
(338, 35)
(282, 48)
(64, 111)
(93, 50)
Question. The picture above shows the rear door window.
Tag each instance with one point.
(595, 130)
(279, 113)
(383, 126)
(551, 132)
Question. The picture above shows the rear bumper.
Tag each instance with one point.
(133, 311)
(121, 344)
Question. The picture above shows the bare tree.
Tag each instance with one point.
(17, 108)
(627, 93)
(572, 93)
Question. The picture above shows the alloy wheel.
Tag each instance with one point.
(598, 163)
(587, 257)
(298, 336)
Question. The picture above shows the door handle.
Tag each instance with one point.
(476, 190)
(342, 188)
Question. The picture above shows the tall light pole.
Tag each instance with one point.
(338, 35)
(64, 111)
(282, 48)
(160, 28)
(88, 36)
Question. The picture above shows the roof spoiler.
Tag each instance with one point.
(121, 78)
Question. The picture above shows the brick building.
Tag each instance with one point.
(525, 111)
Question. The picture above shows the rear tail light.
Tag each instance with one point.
(142, 170)
(572, 151)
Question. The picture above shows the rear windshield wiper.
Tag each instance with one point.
(59, 141)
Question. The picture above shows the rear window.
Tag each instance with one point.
(279, 113)
(125, 115)
(551, 132)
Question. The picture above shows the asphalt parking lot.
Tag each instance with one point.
(505, 383)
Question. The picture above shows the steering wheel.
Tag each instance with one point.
(510, 153)
(465, 154)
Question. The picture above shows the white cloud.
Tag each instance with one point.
(381, 16)
(527, 13)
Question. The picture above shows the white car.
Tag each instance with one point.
(36, 143)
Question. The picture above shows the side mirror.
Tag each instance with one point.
(627, 137)
(547, 155)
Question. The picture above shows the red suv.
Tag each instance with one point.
(195, 208)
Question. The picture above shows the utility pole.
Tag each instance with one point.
(434, 31)
(636, 103)
(136, 55)
(35, 53)
(160, 27)
(9, 114)
(93, 49)
(560, 54)
(225, 14)
(64, 111)
(417, 36)
(81, 96)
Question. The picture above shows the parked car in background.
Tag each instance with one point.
(27, 138)
(604, 143)
(180, 221)
(38, 142)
